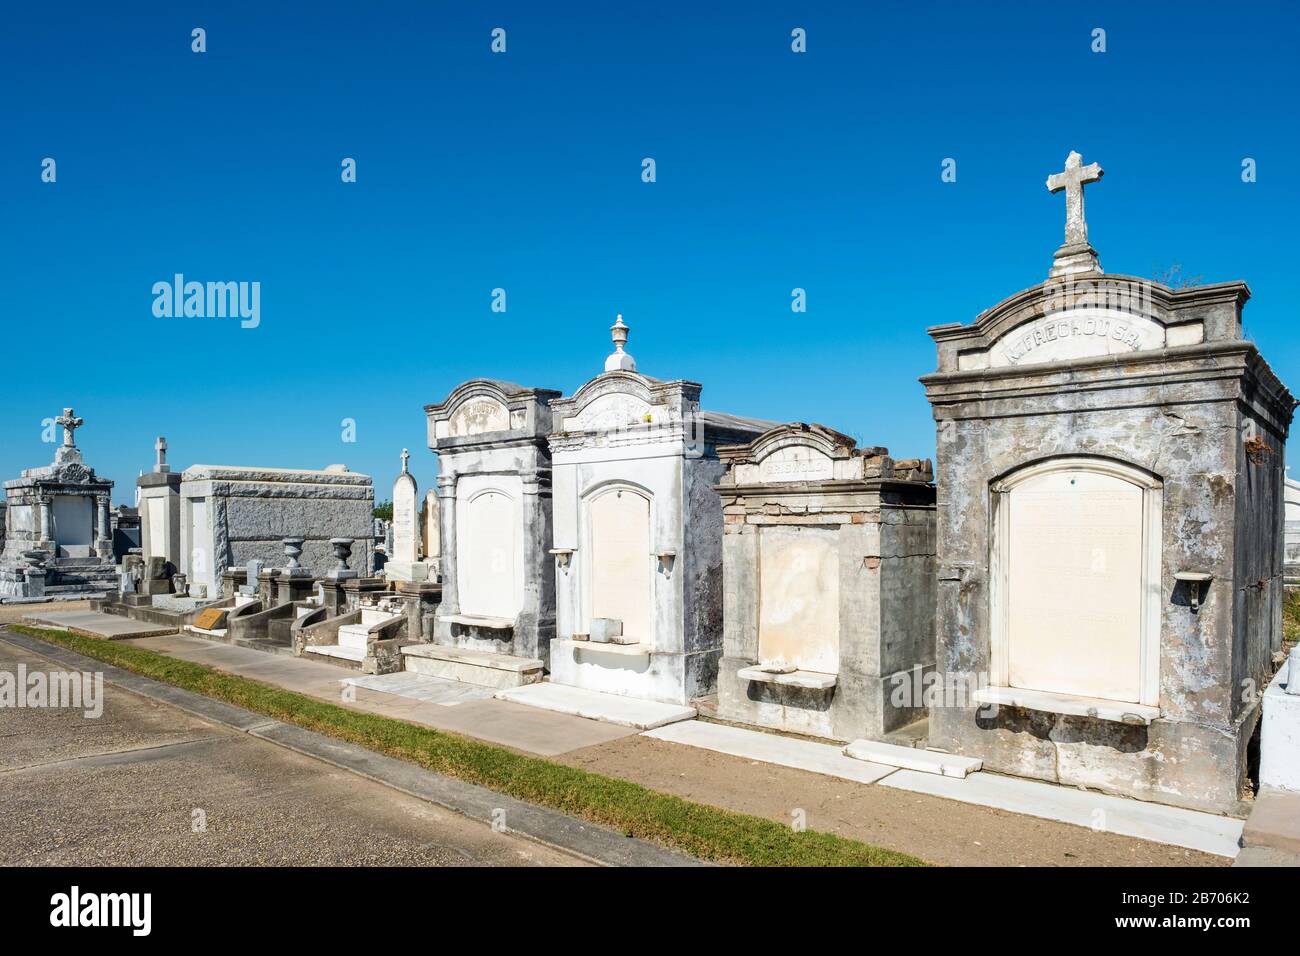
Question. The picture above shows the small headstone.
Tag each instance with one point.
(211, 619)
(252, 569)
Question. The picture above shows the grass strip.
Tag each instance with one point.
(705, 832)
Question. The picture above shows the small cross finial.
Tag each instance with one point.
(619, 360)
(406, 456)
(1076, 255)
(70, 423)
(160, 446)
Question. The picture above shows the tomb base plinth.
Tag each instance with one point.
(1279, 742)
(294, 587)
(845, 706)
(483, 668)
(408, 571)
(634, 670)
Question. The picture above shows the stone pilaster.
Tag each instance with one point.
(447, 512)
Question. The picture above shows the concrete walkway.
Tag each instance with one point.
(594, 705)
(459, 710)
(96, 624)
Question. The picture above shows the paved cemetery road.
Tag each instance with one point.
(148, 784)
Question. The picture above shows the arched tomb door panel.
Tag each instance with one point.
(619, 528)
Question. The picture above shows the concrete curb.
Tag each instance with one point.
(587, 840)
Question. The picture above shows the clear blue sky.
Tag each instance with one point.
(523, 171)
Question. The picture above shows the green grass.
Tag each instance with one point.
(1291, 615)
(706, 832)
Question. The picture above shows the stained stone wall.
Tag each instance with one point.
(829, 554)
(1162, 385)
(249, 511)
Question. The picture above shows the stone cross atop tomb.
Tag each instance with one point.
(406, 458)
(160, 446)
(70, 423)
(68, 451)
(618, 359)
(1076, 255)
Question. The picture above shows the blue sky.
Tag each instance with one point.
(522, 171)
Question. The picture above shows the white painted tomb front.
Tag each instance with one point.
(638, 528)
(494, 519)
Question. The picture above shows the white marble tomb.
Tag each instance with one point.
(638, 533)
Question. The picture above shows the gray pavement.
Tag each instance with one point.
(148, 783)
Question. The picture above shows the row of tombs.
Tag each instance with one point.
(1091, 594)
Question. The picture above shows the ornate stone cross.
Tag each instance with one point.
(1076, 255)
(406, 457)
(70, 424)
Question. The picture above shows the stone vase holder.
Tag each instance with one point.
(293, 551)
(342, 548)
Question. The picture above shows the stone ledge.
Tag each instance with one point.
(810, 680)
(470, 620)
(911, 758)
(1069, 704)
(596, 705)
(465, 655)
(602, 647)
(1274, 823)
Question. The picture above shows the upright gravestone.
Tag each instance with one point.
(432, 533)
(159, 494)
(404, 562)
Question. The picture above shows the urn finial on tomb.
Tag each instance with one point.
(618, 359)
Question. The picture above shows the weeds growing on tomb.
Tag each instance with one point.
(709, 833)
(1291, 616)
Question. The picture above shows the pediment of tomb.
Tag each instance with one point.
(1081, 318)
(489, 407)
(799, 452)
(624, 400)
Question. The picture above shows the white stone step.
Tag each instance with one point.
(1191, 829)
(370, 616)
(337, 650)
(473, 667)
(913, 758)
(354, 637)
(827, 759)
(594, 705)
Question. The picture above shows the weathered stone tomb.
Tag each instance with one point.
(494, 489)
(828, 558)
(232, 514)
(638, 533)
(57, 532)
(1110, 494)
